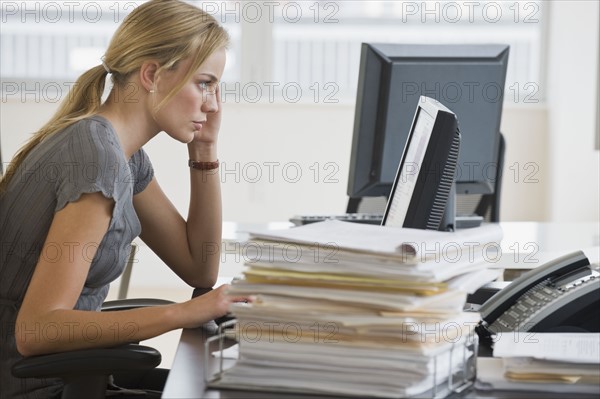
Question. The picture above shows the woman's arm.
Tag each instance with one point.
(192, 249)
(47, 323)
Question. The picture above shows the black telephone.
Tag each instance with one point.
(561, 295)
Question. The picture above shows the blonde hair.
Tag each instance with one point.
(165, 31)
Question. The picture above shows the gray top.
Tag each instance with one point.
(86, 157)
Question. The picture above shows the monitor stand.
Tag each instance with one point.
(467, 222)
(452, 222)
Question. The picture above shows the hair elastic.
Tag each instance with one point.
(106, 68)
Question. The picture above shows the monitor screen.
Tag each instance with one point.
(425, 174)
(469, 79)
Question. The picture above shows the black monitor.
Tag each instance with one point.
(422, 193)
(469, 79)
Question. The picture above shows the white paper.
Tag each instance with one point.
(563, 347)
(233, 352)
(383, 240)
(352, 298)
(339, 369)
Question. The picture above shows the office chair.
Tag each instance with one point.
(85, 372)
(486, 205)
(126, 276)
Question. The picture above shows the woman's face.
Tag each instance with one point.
(187, 111)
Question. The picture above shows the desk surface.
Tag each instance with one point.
(525, 244)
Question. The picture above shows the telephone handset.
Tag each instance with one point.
(563, 294)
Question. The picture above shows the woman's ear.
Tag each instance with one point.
(148, 75)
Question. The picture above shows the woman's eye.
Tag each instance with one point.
(210, 87)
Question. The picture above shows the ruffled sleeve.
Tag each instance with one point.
(90, 161)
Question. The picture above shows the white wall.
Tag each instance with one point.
(264, 147)
(572, 73)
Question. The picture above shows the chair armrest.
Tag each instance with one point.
(126, 304)
(88, 361)
(85, 372)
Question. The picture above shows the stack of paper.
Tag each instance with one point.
(550, 362)
(357, 309)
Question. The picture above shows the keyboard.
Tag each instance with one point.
(461, 222)
(369, 218)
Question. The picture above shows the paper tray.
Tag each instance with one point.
(460, 378)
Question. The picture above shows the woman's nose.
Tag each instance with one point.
(209, 103)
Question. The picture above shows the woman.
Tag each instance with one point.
(82, 189)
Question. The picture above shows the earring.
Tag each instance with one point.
(151, 90)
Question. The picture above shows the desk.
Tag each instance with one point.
(543, 240)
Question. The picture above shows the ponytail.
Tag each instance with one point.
(83, 100)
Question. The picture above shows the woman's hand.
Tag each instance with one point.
(209, 306)
(210, 129)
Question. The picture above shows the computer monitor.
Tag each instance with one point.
(469, 79)
(422, 193)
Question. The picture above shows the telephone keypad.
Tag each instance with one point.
(548, 291)
(531, 302)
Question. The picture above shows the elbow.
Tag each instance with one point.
(204, 282)
(204, 277)
(29, 337)
(26, 343)
(25, 349)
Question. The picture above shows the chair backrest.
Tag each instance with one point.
(126, 276)
(366, 205)
(487, 206)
